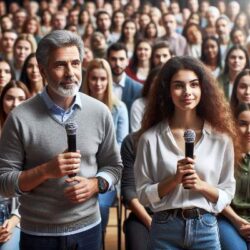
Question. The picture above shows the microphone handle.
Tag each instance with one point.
(189, 152)
(72, 147)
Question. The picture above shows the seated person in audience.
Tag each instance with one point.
(234, 224)
(137, 225)
(138, 106)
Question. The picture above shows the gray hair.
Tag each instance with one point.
(57, 39)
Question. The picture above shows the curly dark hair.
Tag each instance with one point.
(212, 107)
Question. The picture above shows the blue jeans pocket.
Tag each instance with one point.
(162, 217)
(208, 220)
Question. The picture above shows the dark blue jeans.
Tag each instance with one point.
(90, 239)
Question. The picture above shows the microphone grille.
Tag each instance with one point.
(71, 128)
(189, 136)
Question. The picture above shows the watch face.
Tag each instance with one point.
(102, 185)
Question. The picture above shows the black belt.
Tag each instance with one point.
(188, 213)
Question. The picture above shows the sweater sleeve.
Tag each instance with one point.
(11, 157)
(128, 189)
(108, 156)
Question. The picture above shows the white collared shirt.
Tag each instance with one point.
(156, 160)
(118, 86)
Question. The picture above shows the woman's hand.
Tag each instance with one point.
(7, 228)
(185, 167)
(243, 226)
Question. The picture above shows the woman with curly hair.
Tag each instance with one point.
(185, 193)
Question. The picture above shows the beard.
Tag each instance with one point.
(66, 90)
(117, 71)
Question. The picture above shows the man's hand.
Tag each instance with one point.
(83, 190)
(63, 164)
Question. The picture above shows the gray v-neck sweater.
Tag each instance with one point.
(30, 137)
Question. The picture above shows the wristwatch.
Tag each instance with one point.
(102, 185)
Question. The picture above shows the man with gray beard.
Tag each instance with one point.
(59, 210)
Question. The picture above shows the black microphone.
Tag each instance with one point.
(71, 136)
(189, 137)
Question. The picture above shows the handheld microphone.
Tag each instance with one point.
(189, 137)
(71, 137)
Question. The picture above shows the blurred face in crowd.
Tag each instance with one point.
(98, 82)
(7, 41)
(98, 41)
(119, 19)
(161, 56)
(239, 37)
(144, 20)
(32, 26)
(19, 18)
(21, 51)
(5, 74)
(88, 56)
(244, 128)
(151, 30)
(6, 23)
(12, 98)
(243, 89)
(170, 23)
(103, 22)
(129, 30)
(144, 51)
(59, 21)
(237, 60)
(222, 27)
(194, 35)
(73, 17)
(155, 14)
(118, 61)
(211, 49)
(33, 72)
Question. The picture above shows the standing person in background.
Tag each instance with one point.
(241, 90)
(13, 94)
(140, 64)
(185, 193)
(7, 44)
(236, 60)
(124, 87)
(23, 46)
(211, 56)
(31, 75)
(234, 224)
(223, 32)
(129, 36)
(6, 73)
(176, 41)
(58, 208)
(98, 83)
